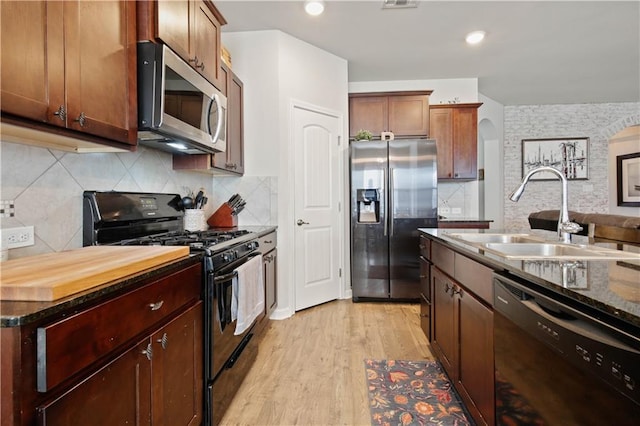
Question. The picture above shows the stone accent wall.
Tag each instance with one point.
(598, 122)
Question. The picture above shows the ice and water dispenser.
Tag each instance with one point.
(368, 205)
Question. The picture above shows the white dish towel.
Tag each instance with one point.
(247, 300)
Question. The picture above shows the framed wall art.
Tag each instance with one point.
(628, 173)
(568, 155)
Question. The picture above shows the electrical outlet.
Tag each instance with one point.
(17, 237)
(445, 210)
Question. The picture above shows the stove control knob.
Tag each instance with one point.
(228, 256)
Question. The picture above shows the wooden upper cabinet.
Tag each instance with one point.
(100, 62)
(31, 82)
(73, 65)
(233, 158)
(455, 129)
(405, 114)
(368, 113)
(191, 28)
(409, 115)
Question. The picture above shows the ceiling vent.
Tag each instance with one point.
(399, 4)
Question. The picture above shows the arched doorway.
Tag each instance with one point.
(491, 187)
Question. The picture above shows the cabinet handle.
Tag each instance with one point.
(61, 113)
(163, 341)
(156, 306)
(268, 241)
(201, 66)
(148, 352)
(81, 119)
(446, 287)
(456, 290)
(231, 166)
(424, 276)
(194, 60)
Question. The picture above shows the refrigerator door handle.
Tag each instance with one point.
(390, 209)
(384, 209)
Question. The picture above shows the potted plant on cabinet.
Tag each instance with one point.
(363, 135)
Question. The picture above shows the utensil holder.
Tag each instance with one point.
(194, 220)
(222, 218)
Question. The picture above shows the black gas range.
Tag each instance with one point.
(134, 218)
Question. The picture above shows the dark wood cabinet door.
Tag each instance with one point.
(455, 129)
(32, 60)
(232, 160)
(100, 68)
(117, 394)
(206, 42)
(409, 115)
(442, 132)
(368, 113)
(173, 18)
(177, 370)
(444, 338)
(465, 146)
(476, 380)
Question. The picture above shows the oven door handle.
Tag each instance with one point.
(225, 277)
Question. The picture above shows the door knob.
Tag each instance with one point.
(302, 222)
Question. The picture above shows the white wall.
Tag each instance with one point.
(464, 89)
(490, 143)
(293, 70)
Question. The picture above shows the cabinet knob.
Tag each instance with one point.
(148, 352)
(61, 113)
(164, 340)
(156, 306)
(81, 119)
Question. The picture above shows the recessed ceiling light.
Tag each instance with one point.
(475, 37)
(314, 7)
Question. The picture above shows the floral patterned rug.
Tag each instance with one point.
(412, 393)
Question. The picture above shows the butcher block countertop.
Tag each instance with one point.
(41, 285)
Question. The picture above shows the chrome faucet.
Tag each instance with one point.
(565, 226)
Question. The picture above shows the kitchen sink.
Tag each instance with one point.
(553, 251)
(496, 238)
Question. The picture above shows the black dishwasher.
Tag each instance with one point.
(559, 365)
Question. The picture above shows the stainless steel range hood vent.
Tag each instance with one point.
(399, 4)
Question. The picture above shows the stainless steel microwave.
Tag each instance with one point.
(178, 109)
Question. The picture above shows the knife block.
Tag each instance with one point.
(222, 218)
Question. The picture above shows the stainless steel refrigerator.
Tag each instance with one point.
(394, 191)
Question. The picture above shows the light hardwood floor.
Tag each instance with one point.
(310, 367)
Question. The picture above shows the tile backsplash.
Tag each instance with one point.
(46, 186)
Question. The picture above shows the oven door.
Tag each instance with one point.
(223, 342)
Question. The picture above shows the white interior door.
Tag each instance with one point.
(317, 196)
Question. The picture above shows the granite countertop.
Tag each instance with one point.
(17, 313)
(462, 219)
(609, 286)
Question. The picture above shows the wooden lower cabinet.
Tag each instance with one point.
(128, 377)
(463, 342)
(132, 358)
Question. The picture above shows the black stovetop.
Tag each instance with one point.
(195, 240)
